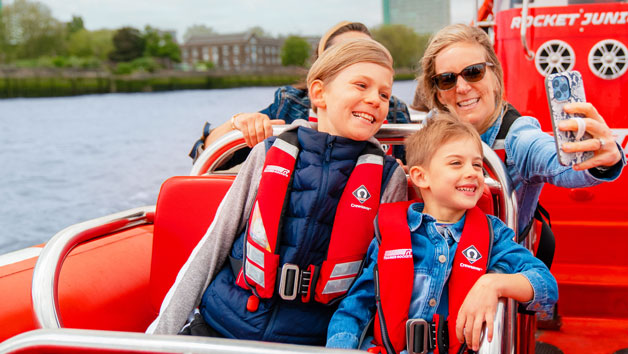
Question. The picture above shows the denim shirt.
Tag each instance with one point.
(532, 161)
(431, 276)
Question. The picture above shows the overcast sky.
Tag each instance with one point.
(226, 16)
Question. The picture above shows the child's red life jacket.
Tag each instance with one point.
(394, 276)
(351, 234)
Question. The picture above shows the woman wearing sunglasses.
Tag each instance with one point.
(462, 75)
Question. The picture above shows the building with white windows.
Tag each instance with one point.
(233, 52)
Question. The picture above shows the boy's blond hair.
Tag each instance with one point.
(344, 54)
(443, 127)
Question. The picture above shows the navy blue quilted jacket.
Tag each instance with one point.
(321, 173)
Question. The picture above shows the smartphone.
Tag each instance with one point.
(562, 88)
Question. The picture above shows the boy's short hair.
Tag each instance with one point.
(347, 53)
(440, 129)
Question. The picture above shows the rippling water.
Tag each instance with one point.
(67, 160)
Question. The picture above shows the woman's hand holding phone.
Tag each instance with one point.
(583, 140)
(601, 143)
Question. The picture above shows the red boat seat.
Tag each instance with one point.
(185, 208)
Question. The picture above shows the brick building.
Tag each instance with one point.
(233, 52)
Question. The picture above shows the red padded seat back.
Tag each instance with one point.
(185, 209)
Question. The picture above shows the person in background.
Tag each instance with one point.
(300, 211)
(462, 75)
(439, 260)
(290, 103)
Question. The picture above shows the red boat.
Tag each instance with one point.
(590, 224)
(97, 285)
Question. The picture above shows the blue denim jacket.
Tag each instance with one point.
(291, 104)
(532, 161)
(356, 310)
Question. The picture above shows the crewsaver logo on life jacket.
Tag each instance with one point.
(278, 170)
(471, 254)
(361, 194)
(400, 253)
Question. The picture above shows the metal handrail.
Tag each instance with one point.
(388, 134)
(45, 285)
(500, 329)
(84, 340)
(524, 41)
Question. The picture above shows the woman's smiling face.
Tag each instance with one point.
(472, 102)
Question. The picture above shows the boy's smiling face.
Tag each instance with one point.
(453, 181)
(354, 103)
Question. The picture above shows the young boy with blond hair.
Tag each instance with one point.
(441, 260)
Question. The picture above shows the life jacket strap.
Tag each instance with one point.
(292, 281)
(420, 336)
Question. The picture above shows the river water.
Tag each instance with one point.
(71, 159)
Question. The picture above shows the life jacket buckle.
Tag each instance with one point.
(418, 336)
(289, 281)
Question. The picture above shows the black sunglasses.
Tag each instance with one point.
(472, 73)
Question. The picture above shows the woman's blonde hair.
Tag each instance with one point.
(346, 53)
(453, 34)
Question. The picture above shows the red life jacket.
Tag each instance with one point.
(394, 275)
(351, 234)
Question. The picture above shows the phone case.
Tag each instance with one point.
(564, 88)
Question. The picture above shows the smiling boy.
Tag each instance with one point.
(445, 240)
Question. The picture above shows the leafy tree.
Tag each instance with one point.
(84, 43)
(405, 46)
(198, 30)
(295, 51)
(30, 31)
(75, 25)
(161, 45)
(128, 44)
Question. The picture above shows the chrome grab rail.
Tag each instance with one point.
(84, 340)
(500, 328)
(388, 133)
(45, 285)
(524, 26)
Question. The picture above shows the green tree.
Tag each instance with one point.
(75, 25)
(128, 44)
(84, 43)
(30, 31)
(198, 30)
(405, 46)
(295, 51)
(161, 45)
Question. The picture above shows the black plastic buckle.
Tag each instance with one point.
(420, 336)
(304, 287)
(289, 281)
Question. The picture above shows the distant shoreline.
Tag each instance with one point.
(62, 82)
